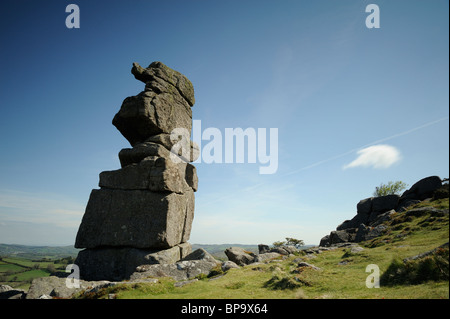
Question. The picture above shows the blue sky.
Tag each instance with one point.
(354, 107)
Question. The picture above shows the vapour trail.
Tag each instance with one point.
(364, 146)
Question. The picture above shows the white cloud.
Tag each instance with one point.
(377, 156)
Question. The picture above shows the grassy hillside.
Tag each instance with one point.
(342, 275)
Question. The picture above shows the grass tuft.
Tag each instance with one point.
(434, 267)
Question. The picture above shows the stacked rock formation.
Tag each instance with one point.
(143, 212)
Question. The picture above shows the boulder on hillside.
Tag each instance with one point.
(55, 287)
(367, 233)
(354, 222)
(325, 241)
(421, 211)
(339, 236)
(228, 264)
(364, 206)
(284, 250)
(239, 256)
(200, 254)
(262, 249)
(382, 204)
(262, 258)
(423, 189)
(8, 292)
(196, 263)
(404, 203)
(376, 219)
(442, 192)
(302, 264)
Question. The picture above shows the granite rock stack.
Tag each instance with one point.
(143, 212)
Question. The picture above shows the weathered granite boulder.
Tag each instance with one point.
(325, 241)
(153, 173)
(261, 258)
(339, 236)
(363, 230)
(284, 249)
(423, 189)
(364, 206)
(354, 222)
(56, 287)
(135, 155)
(170, 78)
(442, 192)
(196, 263)
(302, 264)
(239, 256)
(119, 263)
(228, 264)
(136, 218)
(200, 254)
(190, 176)
(376, 219)
(262, 249)
(367, 233)
(421, 211)
(53, 287)
(7, 292)
(164, 105)
(170, 140)
(405, 203)
(382, 204)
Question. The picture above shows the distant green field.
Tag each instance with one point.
(18, 272)
(19, 261)
(10, 268)
(31, 274)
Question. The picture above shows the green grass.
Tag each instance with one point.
(406, 237)
(237, 283)
(6, 268)
(31, 274)
(20, 261)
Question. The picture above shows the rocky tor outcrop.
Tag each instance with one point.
(143, 212)
(372, 212)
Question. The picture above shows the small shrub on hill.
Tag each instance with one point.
(390, 188)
